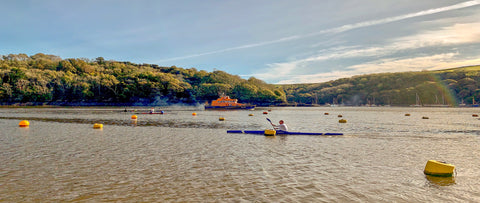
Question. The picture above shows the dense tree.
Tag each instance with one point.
(48, 79)
(447, 87)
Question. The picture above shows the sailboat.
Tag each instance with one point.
(417, 101)
(437, 103)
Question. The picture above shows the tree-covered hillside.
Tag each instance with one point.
(444, 87)
(48, 79)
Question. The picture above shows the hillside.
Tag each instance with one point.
(449, 87)
(49, 80)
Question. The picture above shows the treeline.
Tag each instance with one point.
(48, 79)
(453, 87)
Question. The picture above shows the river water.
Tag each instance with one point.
(178, 157)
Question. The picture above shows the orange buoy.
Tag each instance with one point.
(326, 114)
(340, 116)
(265, 112)
(221, 119)
(134, 116)
(250, 114)
(97, 126)
(342, 121)
(407, 114)
(474, 115)
(24, 123)
(194, 114)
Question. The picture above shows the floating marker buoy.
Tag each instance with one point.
(340, 116)
(474, 115)
(221, 119)
(407, 114)
(250, 114)
(326, 114)
(194, 114)
(342, 121)
(24, 123)
(265, 112)
(97, 126)
(134, 116)
(437, 168)
(270, 132)
(425, 117)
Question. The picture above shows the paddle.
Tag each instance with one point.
(270, 122)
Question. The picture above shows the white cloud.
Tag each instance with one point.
(455, 35)
(434, 62)
(339, 29)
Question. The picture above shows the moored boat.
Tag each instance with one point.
(225, 102)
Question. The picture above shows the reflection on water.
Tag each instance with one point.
(440, 181)
(177, 157)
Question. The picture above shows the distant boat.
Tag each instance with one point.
(225, 102)
(418, 103)
(437, 103)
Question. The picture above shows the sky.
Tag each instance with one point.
(277, 41)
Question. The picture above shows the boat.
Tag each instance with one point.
(225, 102)
(161, 112)
(279, 132)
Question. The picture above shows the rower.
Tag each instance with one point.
(282, 126)
(152, 110)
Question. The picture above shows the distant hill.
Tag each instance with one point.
(449, 87)
(47, 79)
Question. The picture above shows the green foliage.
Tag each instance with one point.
(449, 87)
(49, 79)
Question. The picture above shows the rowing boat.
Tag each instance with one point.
(153, 112)
(279, 132)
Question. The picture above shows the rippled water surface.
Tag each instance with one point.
(178, 157)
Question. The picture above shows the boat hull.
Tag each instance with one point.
(246, 107)
(279, 132)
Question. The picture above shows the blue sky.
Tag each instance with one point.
(278, 41)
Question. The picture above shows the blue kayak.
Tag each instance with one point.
(279, 132)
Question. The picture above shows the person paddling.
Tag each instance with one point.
(282, 126)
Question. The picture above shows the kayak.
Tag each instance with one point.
(279, 132)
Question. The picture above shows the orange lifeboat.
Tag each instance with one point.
(225, 102)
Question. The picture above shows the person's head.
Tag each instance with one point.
(281, 121)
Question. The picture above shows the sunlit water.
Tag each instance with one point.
(178, 157)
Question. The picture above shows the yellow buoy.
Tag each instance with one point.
(194, 114)
(97, 125)
(134, 116)
(221, 119)
(342, 121)
(437, 168)
(270, 132)
(24, 123)
(250, 114)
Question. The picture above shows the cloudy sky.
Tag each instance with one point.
(278, 41)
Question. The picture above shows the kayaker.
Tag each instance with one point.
(281, 126)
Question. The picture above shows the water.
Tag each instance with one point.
(177, 157)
